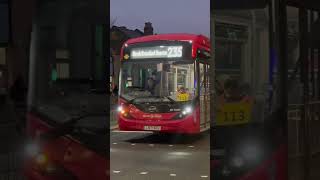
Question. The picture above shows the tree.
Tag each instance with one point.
(113, 21)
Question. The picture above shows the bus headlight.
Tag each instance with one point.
(120, 108)
(124, 111)
(32, 149)
(187, 110)
(252, 153)
(41, 159)
(237, 161)
(247, 156)
(49, 168)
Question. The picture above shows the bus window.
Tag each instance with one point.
(141, 79)
(204, 93)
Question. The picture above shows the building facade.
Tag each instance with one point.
(118, 36)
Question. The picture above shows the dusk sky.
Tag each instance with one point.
(166, 16)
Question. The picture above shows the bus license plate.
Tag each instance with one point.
(152, 128)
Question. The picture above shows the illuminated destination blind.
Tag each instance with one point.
(157, 52)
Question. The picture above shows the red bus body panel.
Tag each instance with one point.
(279, 162)
(272, 168)
(68, 153)
(189, 125)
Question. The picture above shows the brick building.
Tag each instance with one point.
(119, 35)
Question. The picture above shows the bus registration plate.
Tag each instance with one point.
(152, 128)
(234, 114)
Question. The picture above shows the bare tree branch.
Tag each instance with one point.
(113, 21)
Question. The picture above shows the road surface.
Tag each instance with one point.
(147, 156)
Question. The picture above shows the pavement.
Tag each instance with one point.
(113, 111)
(113, 120)
(148, 156)
(11, 151)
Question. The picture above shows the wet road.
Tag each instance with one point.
(145, 156)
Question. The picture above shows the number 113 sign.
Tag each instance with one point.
(234, 114)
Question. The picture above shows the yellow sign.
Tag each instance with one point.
(234, 114)
(183, 97)
(126, 56)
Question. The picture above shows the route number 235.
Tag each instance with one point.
(175, 51)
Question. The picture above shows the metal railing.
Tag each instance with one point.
(10, 166)
(295, 131)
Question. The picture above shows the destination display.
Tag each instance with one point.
(157, 52)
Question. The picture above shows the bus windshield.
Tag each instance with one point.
(168, 81)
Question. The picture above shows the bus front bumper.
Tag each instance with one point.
(183, 126)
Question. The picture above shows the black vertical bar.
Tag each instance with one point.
(318, 68)
(93, 56)
(271, 51)
(303, 29)
(283, 66)
(312, 57)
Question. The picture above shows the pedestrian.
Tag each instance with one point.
(115, 90)
(18, 101)
(18, 90)
(151, 85)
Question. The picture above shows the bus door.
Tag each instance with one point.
(183, 82)
(204, 95)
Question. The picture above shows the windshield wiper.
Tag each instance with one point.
(155, 97)
(170, 99)
(141, 97)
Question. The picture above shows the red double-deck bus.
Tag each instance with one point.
(164, 84)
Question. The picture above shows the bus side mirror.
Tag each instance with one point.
(203, 54)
